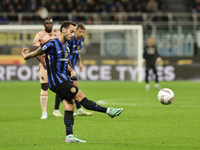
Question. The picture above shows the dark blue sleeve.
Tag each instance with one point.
(47, 47)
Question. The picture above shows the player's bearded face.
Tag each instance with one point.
(69, 33)
(80, 33)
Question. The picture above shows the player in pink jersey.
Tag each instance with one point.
(41, 37)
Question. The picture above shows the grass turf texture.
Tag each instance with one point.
(145, 124)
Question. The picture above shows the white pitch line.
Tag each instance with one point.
(113, 102)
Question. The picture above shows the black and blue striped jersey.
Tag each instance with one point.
(75, 47)
(57, 56)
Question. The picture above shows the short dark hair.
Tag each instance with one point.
(66, 24)
(48, 18)
(81, 26)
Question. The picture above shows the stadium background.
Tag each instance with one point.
(145, 124)
(174, 26)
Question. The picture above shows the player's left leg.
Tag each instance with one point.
(69, 122)
(67, 91)
(56, 111)
(80, 111)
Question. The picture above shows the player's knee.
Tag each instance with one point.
(68, 105)
(72, 106)
(44, 86)
(44, 92)
(79, 96)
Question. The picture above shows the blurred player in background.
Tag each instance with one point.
(150, 56)
(60, 82)
(75, 46)
(40, 38)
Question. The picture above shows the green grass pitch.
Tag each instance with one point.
(145, 124)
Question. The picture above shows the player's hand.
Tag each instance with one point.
(73, 74)
(80, 67)
(24, 53)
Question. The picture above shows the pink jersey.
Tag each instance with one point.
(42, 36)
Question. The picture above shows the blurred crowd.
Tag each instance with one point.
(83, 5)
(135, 7)
(193, 5)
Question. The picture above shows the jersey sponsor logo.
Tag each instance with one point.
(73, 89)
(74, 45)
(44, 47)
(64, 59)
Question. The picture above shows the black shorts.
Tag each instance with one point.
(65, 90)
(148, 66)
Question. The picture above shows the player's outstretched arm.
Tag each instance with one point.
(26, 55)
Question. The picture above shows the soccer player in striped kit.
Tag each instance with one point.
(60, 82)
(75, 46)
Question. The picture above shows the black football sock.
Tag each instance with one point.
(57, 102)
(88, 104)
(69, 121)
(78, 105)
